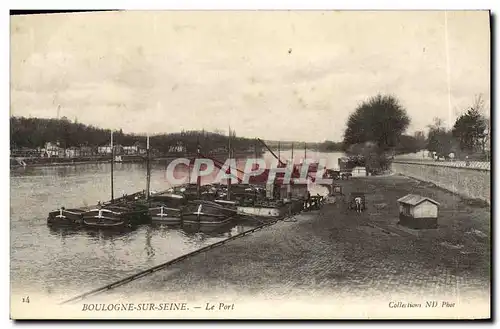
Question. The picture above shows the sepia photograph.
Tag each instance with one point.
(250, 164)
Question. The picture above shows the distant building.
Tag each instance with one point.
(72, 152)
(135, 149)
(103, 150)
(106, 149)
(131, 150)
(53, 150)
(179, 148)
(86, 151)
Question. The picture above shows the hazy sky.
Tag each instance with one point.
(290, 75)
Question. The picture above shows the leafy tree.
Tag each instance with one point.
(420, 140)
(470, 128)
(381, 119)
(368, 155)
(408, 144)
(440, 140)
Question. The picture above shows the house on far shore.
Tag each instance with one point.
(103, 150)
(106, 149)
(178, 148)
(130, 150)
(53, 150)
(135, 149)
(86, 151)
(72, 152)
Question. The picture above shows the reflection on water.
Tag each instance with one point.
(68, 261)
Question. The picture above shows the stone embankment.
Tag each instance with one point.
(471, 182)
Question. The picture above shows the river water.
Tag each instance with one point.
(62, 263)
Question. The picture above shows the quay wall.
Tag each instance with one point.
(471, 183)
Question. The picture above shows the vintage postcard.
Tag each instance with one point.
(250, 165)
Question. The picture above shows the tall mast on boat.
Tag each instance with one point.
(279, 149)
(255, 165)
(148, 168)
(112, 162)
(292, 154)
(198, 178)
(229, 155)
(270, 151)
(305, 151)
(255, 148)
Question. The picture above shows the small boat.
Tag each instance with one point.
(249, 202)
(262, 209)
(66, 217)
(257, 208)
(166, 207)
(165, 215)
(109, 217)
(206, 213)
(117, 216)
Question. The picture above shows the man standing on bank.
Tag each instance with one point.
(357, 201)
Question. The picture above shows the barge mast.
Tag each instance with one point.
(229, 155)
(112, 165)
(148, 168)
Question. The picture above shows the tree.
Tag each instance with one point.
(420, 140)
(328, 146)
(470, 128)
(368, 155)
(381, 120)
(487, 135)
(407, 144)
(440, 140)
(35, 132)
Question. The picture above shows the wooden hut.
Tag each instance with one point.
(336, 189)
(418, 212)
(359, 172)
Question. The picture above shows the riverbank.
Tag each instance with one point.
(54, 162)
(57, 164)
(336, 263)
(69, 162)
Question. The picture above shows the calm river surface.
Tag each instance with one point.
(63, 263)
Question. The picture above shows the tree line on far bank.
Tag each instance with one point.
(33, 133)
(376, 131)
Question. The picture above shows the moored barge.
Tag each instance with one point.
(117, 216)
(206, 213)
(66, 217)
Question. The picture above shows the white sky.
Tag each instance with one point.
(163, 71)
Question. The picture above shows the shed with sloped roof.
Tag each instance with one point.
(418, 211)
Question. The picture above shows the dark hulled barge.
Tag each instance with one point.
(66, 217)
(117, 216)
(206, 213)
